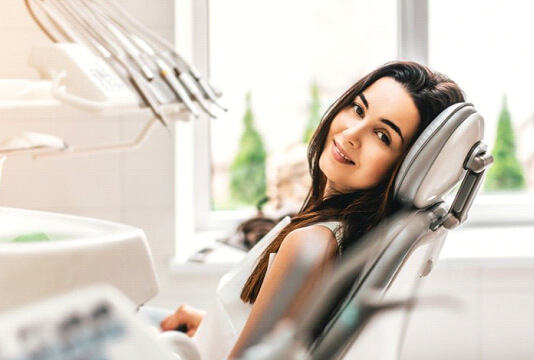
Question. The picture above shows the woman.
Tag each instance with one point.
(353, 156)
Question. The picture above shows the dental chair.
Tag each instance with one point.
(361, 309)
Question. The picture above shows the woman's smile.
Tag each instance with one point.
(340, 155)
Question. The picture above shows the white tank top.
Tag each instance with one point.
(228, 314)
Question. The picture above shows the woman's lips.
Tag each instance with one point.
(340, 155)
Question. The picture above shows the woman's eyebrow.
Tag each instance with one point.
(364, 100)
(389, 123)
(392, 125)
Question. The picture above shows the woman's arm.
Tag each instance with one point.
(185, 317)
(317, 236)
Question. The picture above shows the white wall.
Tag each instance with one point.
(135, 188)
(492, 319)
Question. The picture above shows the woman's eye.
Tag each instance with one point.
(357, 109)
(384, 138)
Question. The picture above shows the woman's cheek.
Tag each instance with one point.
(378, 166)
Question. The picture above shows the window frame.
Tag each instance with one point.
(193, 171)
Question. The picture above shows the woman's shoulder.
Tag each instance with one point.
(321, 237)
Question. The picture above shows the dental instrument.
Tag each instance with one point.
(118, 42)
(105, 32)
(162, 60)
(84, 25)
(106, 49)
(178, 82)
(180, 65)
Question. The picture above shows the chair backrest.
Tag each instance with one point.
(384, 268)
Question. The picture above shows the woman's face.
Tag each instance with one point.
(366, 138)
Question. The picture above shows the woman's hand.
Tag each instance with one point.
(186, 316)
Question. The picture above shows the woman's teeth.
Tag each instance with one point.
(343, 155)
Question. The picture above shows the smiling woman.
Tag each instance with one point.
(353, 157)
(359, 195)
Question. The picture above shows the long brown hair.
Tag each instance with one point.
(360, 210)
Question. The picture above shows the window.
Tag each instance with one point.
(483, 49)
(277, 51)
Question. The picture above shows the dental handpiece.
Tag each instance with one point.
(183, 87)
(106, 48)
(86, 36)
(135, 50)
(167, 75)
(97, 19)
(190, 85)
(147, 96)
(182, 67)
(120, 56)
(184, 80)
(206, 88)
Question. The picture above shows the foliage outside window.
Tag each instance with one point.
(315, 113)
(485, 74)
(247, 172)
(506, 172)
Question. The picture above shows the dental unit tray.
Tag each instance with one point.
(105, 56)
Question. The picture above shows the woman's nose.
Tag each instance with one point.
(352, 135)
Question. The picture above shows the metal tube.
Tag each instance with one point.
(99, 149)
(58, 23)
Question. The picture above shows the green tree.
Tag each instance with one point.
(506, 172)
(315, 113)
(247, 172)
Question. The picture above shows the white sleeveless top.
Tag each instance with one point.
(227, 316)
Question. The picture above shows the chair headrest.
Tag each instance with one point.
(435, 162)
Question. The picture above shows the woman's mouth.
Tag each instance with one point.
(340, 155)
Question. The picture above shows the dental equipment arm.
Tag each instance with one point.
(100, 149)
(29, 142)
(43, 145)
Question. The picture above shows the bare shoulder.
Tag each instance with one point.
(317, 236)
